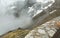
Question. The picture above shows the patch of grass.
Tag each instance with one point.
(16, 34)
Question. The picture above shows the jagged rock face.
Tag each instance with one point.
(46, 30)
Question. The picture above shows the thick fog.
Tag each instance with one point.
(14, 15)
(11, 16)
